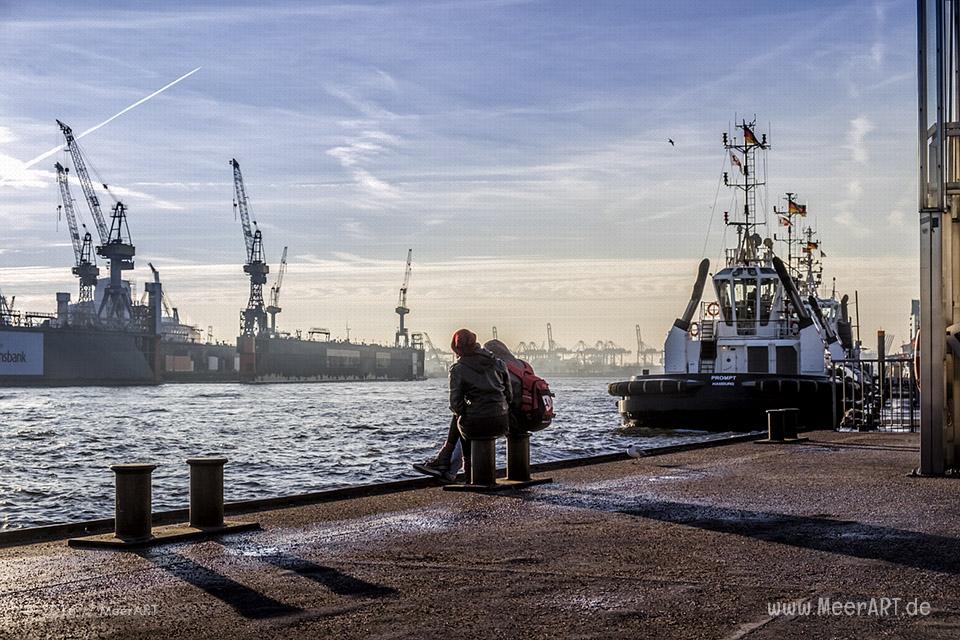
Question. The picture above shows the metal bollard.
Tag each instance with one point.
(518, 457)
(775, 425)
(790, 417)
(483, 462)
(206, 492)
(134, 514)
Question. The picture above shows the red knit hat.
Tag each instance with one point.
(464, 342)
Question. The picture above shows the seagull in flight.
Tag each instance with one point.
(670, 140)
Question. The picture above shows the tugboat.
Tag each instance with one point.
(766, 342)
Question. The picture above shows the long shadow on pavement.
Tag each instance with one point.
(247, 602)
(337, 581)
(908, 548)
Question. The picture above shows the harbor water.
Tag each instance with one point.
(58, 443)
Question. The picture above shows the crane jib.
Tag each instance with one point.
(80, 167)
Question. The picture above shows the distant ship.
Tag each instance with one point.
(767, 341)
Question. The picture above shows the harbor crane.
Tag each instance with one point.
(115, 243)
(6, 310)
(274, 307)
(402, 309)
(253, 319)
(84, 266)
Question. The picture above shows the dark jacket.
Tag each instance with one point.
(479, 386)
(501, 351)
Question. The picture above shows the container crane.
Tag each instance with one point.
(84, 268)
(115, 243)
(274, 307)
(253, 319)
(402, 309)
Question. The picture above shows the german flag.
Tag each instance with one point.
(799, 209)
(812, 245)
(748, 137)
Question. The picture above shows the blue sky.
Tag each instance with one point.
(518, 147)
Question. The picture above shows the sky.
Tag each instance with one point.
(518, 147)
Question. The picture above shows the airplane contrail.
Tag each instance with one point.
(44, 156)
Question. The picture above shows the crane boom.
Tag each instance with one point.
(80, 167)
(240, 202)
(403, 334)
(275, 289)
(67, 203)
(402, 302)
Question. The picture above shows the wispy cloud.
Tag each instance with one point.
(857, 138)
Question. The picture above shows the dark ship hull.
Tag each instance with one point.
(198, 362)
(73, 356)
(723, 402)
(264, 360)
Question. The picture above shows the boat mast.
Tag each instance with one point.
(743, 156)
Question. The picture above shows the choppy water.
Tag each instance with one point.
(58, 444)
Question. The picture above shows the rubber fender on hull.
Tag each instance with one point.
(789, 385)
(652, 385)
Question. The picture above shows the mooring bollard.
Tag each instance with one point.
(775, 425)
(483, 462)
(206, 492)
(518, 457)
(134, 513)
(790, 419)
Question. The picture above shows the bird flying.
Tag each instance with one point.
(670, 140)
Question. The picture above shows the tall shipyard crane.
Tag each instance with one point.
(253, 319)
(84, 268)
(274, 307)
(115, 243)
(402, 309)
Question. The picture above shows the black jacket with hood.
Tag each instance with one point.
(480, 386)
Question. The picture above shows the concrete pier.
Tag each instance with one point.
(728, 542)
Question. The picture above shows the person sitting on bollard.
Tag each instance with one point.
(480, 396)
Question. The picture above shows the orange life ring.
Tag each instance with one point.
(713, 309)
(694, 330)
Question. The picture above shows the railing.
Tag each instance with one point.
(874, 395)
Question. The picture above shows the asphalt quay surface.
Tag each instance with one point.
(829, 538)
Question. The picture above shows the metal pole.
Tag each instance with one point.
(931, 259)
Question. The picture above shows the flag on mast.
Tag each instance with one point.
(799, 209)
(748, 137)
(736, 161)
(785, 221)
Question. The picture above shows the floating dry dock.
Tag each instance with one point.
(692, 544)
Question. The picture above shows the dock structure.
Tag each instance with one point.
(830, 538)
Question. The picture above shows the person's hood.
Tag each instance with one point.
(501, 351)
(479, 360)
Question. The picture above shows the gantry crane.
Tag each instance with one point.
(115, 243)
(274, 307)
(402, 309)
(253, 319)
(84, 268)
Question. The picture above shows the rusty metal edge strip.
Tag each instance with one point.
(47, 533)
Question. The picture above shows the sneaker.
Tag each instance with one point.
(434, 468)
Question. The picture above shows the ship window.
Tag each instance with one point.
(768, 289)
(758, 360)
(723, 296)
(745, 296)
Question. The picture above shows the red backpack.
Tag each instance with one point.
(534, 407)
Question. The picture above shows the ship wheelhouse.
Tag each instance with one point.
(749, 301)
